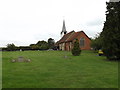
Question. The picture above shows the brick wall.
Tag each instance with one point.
(87, 41)
(69, 45)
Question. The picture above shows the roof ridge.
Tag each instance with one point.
(71, 32)
(70, 35)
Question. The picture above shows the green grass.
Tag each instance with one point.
(49, 69)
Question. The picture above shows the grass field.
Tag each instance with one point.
(49, 69)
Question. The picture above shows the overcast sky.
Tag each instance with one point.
(24, 22)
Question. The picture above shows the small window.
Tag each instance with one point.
(82, 42)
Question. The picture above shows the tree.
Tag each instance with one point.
(23, 48)
(43, 45)
(76, 48)
(11, 47)
(96, 43)
(51, 43)
(34, 47)
(111, 31)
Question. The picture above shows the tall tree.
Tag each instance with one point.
(43, 45)
(51, 43)
(111, 31)
(11, 47)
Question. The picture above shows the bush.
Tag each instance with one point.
(96, 43)
(76, 49)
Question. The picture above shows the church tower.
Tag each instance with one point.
(63, 28)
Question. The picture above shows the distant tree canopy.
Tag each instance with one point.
(40, 45)
(51, 43)
(11, 47)
(96, 43)
(43, 45)
(34, 46)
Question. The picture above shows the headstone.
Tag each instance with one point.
(21, 59)
(65, 56)
(13, 61)
(28, 60)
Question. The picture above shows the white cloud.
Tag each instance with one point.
(27, 21)
(114, 0)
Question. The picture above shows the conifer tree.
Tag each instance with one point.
(76, 49)
(111, 31)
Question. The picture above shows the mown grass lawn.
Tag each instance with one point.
(49, 69)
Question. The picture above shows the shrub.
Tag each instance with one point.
(76, 49)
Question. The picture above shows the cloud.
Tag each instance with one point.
(95, 22)
(28, 21)
(114, 0)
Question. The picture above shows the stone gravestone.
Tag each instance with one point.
(21, 59)
(65, 56)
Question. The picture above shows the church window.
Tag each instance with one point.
(82, 42)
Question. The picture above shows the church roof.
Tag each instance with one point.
(70, 36)
(65, 37)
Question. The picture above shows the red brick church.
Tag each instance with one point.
(66, 42)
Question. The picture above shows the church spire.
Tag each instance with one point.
(63, 28)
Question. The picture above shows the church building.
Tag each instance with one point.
(67, 40)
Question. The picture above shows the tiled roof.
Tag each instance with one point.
(70, 36)
(65, 37)
(73, 36)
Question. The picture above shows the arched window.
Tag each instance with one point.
(82, 42)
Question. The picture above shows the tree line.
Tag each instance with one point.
(40, 45)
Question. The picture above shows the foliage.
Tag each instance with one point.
(4, 49)
(40, 45)
(76, 49)
(96, 43)
(23, 48)
(43, 45)
(111, 31)
(51, 43)
(11, 47)
(34, 47)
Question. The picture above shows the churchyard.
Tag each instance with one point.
(58, 69)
